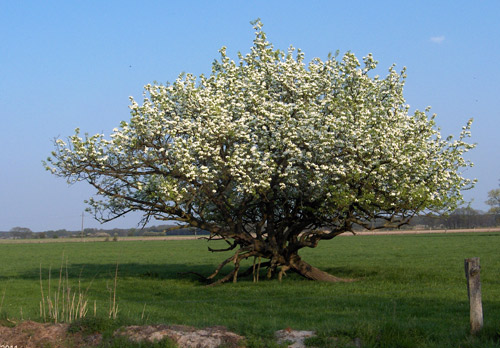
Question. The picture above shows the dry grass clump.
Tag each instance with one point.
(70, 303)
(67, 303)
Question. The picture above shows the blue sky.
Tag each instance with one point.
(68, 64)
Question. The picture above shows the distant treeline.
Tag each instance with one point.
(470, 219)
(161, 230)
(460, 219)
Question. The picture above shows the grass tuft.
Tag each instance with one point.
(66, 304)
(113, 306)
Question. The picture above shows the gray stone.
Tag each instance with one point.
(184, 336)
(295, 337)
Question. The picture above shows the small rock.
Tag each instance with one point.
(357, 342)
(296, 337)
(184, 336)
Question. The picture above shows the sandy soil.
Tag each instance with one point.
(30, 334)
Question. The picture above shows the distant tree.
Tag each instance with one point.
(63, 233)
(21, 232)
(131, 232)
(21, 229)
(494, 201)
(272, 155)
(464, 217)
(89, 231)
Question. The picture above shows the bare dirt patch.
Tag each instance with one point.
(31, 334)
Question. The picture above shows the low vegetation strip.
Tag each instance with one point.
(94, 239)
(190, 237)
(424, 231)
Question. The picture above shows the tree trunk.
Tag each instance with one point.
(277, 265)
(313, 273)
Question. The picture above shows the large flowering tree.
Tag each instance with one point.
(272, 155)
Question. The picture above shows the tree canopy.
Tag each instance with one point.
(272, 155)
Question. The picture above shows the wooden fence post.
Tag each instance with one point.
(472, 270)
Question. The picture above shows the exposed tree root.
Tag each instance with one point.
(313, 273)
(254, 270)
(201, 277)
(274, 268)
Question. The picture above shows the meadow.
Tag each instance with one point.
(410, 290)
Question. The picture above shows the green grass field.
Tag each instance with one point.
(410, 289)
